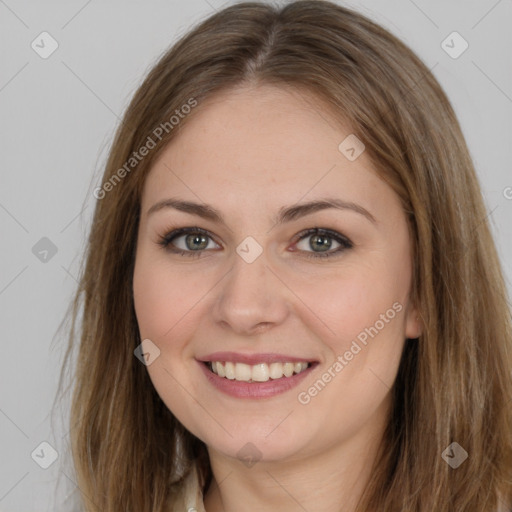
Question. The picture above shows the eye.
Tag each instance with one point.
(321, 239)
(195, 241)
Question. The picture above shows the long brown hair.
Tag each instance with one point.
(454, 382)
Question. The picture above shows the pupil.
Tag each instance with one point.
(322, 245)
(196, 238)
(322, 242)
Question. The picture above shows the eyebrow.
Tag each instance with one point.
(285, 214)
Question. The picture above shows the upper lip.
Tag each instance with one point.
(252, 359)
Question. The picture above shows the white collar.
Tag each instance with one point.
(189, 496)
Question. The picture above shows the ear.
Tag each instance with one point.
(413, 323)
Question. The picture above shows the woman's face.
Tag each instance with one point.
(258, 293)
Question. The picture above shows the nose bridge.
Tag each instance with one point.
(250, 295)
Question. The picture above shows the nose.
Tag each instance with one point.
(252, 298)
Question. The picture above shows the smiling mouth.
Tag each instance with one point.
(261, 372)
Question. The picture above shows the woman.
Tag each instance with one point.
(291, 297)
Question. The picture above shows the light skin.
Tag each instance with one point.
(248, 153)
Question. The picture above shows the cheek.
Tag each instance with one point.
(163, 298)
(165, 314)
(357, 299)
(362, 312)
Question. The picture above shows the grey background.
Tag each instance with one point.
(58, 116)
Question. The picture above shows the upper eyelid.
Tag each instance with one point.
(174, 233)
(186, 230)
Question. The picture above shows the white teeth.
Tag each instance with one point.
(229, 370)
(242, 371)
(288, 369)
(276, 370)
(220, 370)
(261, 372)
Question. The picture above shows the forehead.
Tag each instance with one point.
(255, 124)
(261, 142)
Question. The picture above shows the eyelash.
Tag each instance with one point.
(344, 242)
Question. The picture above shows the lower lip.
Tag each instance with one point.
(241, 389)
